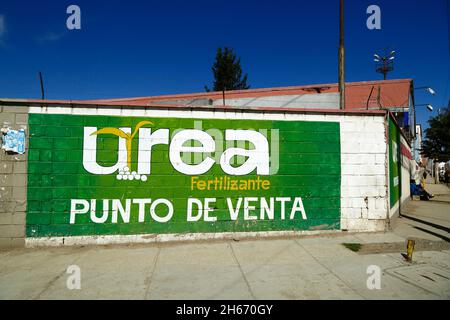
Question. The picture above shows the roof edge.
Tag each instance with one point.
(62, 103)
(258, 90)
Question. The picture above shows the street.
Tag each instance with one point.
(315, 267)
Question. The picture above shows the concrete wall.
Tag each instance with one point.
(13, 182)
(407, 169)
(364, 183)
(305, 101)
(401, 167)
(363, 186)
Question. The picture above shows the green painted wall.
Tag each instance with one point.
(394, 163)
(308, 167)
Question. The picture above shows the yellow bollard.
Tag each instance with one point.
(410, 250)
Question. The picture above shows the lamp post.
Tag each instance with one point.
(384, 64)
(427, 89)
(341, 57)
(429, 107)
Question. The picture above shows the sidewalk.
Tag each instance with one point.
(303, 268)
(292, 268)
(427, 219)
(441, 191)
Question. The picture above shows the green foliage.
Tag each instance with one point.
(228, 72)
(436, 146)
(355, 247)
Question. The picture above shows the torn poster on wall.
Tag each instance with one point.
(13, 140)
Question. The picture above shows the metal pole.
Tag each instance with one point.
(341, 57)
(42, 86)
(410, 249)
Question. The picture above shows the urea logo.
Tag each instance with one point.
(201, 175)
(257, 156)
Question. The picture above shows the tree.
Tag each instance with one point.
(228, 72)
(436, 145)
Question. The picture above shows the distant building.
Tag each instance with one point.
(418, 145)
(396, 96)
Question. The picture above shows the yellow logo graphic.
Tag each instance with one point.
(128, 137)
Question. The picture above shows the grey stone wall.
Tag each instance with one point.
(13, 182)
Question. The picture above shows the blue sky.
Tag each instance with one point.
(140, 48)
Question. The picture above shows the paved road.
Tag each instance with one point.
(296, 268)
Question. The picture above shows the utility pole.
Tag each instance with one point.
(223, 96)
(384, 63)
(42, 86)
(341, 57)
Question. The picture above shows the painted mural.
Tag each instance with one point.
(106, 175)
(394, 163)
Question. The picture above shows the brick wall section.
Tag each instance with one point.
(13, 182)
(56, 176)
(364, 191)
(407, 167)
(364, 184)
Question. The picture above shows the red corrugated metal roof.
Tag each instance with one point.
(359, 95)
(376, 94)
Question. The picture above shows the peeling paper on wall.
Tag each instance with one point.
(13, 140)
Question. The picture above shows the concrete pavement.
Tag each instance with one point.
(441, 191)
(427, 219)
(303, 268)
(291, 268)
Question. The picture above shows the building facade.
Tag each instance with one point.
(123, 171)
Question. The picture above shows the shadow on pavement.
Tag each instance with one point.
(431, 224)
(433, 233)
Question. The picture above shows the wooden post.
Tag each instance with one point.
(341, 57)
(42, 86)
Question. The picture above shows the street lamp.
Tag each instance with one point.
(427, 89)
(429, 106)
(413, 137)
(384, 64)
